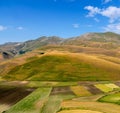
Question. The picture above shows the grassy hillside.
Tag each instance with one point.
(65, 67)
(81, 49)
(7, 65)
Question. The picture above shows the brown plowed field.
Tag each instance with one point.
(12, 96)
(61, 90)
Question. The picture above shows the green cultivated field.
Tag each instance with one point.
(67, 98)
(104, 87)
(29, 104)
(52, 105)
(112, 98)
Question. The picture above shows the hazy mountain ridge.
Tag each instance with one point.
(106, 40)
(42, 41)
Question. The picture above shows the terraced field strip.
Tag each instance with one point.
(104, 87)
(92, 98)
(113, 86)
(94, 106)
(112, 98)
(29, 104)
(80, 91)
(52, 105)
(37, 84)
(61, 90)
(91, 88)
(79, 111)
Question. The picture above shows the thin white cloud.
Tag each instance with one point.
(113, 28)
(112, 12)
(96, 19)
(2, 28)
(107, 1)
(76, 25)
(92, 11)
(20, 28)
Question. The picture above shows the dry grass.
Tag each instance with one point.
(101, 69)
(80, 91)
(60, 66)
(7, 65)
(4, 107)
(111, 59)
(79, 111)
(95, 106)
(1, 58)
(108, 66)
(81, 49)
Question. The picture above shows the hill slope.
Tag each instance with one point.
(66, 67)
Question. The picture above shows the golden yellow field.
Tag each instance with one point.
(80, 91)
(113, 86)
(79, 111)
(95, 106)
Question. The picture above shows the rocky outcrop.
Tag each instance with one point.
(9, 54)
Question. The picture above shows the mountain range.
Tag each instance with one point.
(106, 41)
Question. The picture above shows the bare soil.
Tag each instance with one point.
(93, 89)
(12, 96)
(61, 90)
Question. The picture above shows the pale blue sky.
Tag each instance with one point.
(22, 20)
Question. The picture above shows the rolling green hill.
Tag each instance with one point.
(56, 66)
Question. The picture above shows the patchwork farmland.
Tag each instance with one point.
(58, 98)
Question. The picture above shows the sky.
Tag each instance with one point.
(22, 20)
